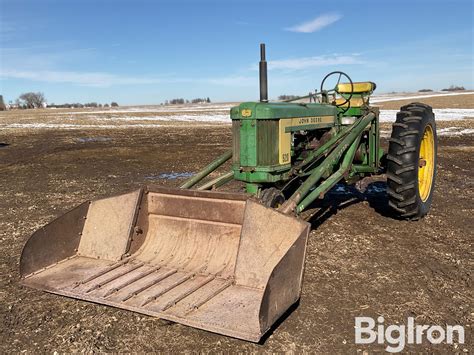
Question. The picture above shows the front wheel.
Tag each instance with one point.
(411, 161)
(272, 197)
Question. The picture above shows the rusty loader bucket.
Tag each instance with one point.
(215, 261)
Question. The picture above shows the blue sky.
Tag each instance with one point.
(144, 52)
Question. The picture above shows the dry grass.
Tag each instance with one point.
(459, 101)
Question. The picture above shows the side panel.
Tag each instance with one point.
(54, 242)
(266, 238)
(284, 284)
(108, 226)
(284, 142)
(289, 125)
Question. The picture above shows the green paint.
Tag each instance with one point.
(252, 188)
(256, 137)
(248, 143)
(354, 133)
(255, 132)
(332, 180)
(207, 170)
(259, 176)
(279, 110)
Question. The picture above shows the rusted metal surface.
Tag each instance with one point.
(54, 242)
(214, 261)
(113, 220)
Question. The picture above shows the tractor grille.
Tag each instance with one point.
(267, 142)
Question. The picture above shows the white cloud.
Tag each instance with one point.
(237, 80)
(312, 62)
(80, 78)
(100, 79)
(241, 23)
(316, 24)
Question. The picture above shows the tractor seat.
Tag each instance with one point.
(364, 87)
(360, 93)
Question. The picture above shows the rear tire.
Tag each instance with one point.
(411, 161)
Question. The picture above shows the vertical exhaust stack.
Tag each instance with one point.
(263, 75)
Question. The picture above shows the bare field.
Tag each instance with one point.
(449, 108)
(455, 101)
(360, 262)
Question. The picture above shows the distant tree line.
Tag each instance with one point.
(30, 100)
(201, 101)
(86, 105)
(181, 101)
(175, 101)
(454, 88)
(451, 88)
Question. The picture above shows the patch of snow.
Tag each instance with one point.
(188, 118)
(71, 126)
(455, 131)
(467, 131)
(385, 134)
(447, 129)
(446, 132)
(93, 139)
(376, 188)
(159, 109)
(445, 114)
(386, 98)
(170, 176)
(339, 188)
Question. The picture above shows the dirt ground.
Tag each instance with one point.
(360, 262)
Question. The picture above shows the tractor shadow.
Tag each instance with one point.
(3, 145)
(342, 196)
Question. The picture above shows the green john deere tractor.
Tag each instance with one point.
(232, 263)
(290, 154)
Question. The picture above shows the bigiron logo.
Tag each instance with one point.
(397, 336)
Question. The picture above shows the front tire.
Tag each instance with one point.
(411, 161)
(272, 197)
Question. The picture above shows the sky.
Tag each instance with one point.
(145, 52)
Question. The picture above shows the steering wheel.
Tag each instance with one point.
(334, 90)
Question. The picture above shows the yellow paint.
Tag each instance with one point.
(246, 112)
(284, 144)
(427, 164)
(345, 88)
(355, 102)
